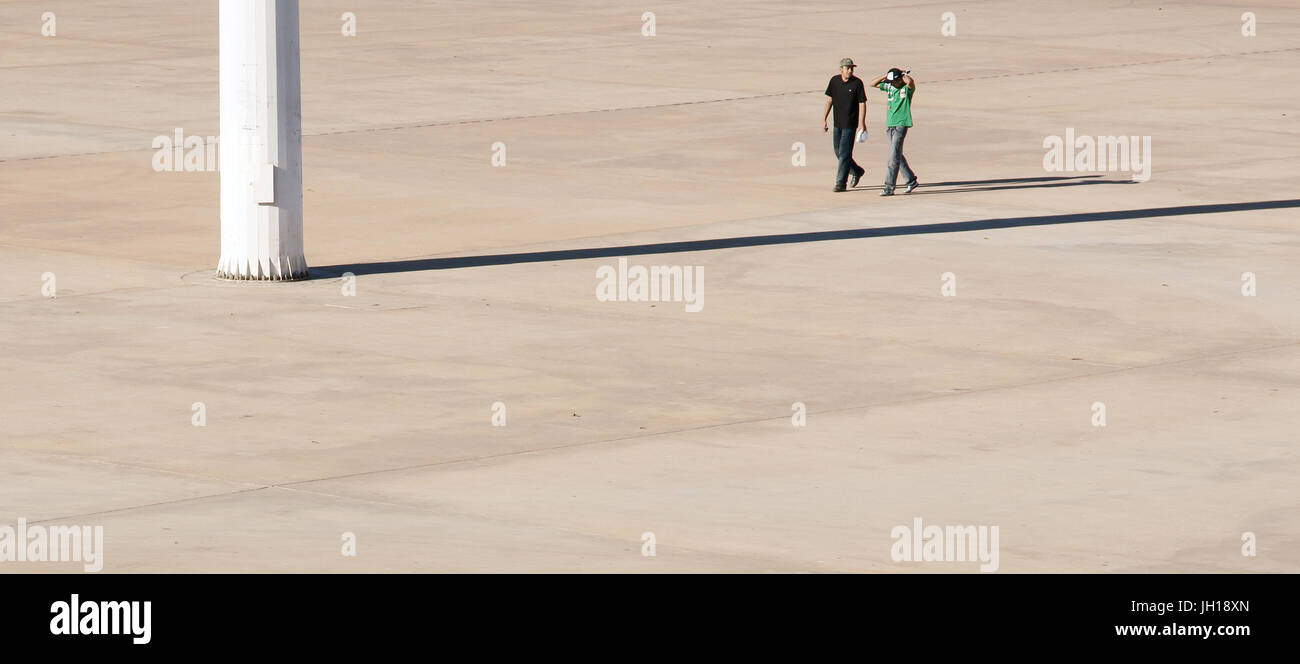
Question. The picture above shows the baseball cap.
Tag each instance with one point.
(847, 62)
(893, 74)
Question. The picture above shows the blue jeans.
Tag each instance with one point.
(842, 140)
(896, 159)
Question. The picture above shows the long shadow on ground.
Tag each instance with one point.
(1000, 184)
(420, 264)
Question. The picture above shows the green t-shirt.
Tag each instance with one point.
(900, 105)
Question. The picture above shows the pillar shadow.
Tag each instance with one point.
(421, 264)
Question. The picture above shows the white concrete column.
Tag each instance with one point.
(261, 141)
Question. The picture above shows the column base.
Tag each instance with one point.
(282, 269)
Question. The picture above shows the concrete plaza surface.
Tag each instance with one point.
(372, 414)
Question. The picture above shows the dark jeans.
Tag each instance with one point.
(896, 159)
(842, 139)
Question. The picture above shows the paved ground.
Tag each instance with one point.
(371, 414)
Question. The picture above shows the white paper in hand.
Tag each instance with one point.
(862, 135)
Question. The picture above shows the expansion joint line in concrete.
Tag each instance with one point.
(452, 123)
(651, 435)
(449, 123)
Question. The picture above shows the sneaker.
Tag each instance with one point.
(839, 187)
(886, 192)
(910, 186)
(853, 180)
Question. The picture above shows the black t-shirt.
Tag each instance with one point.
(845, 97)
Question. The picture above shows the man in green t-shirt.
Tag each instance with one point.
(900, 88)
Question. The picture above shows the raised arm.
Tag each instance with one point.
(876, 81)
(911, 82)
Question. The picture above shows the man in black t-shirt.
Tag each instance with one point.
(847, 95)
